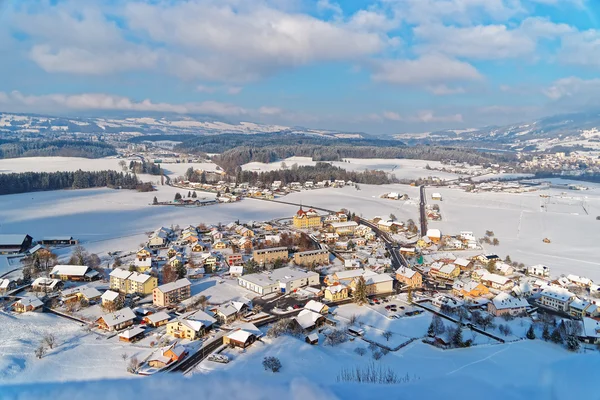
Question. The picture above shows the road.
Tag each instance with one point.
(193, 360)
(422, 213)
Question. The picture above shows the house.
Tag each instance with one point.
(118, 280)
(47, 285)
(409, 277)
(171, 293)
(579, 281)
(435, 235)
(175, 261)
(555, 298)
(577, 307)
(283, 280)
(158, 239)
(308, 320)
(27, 304)
(270, 255)
(352, 264)
(311, 257)
(195, 273)
(503, 268)
(14, 243)
(377, 284)
(234, 259)
(132, 335)
(445, 271)
(470, 289)
(504, 303)
(240, 338)
(307, 219)
(58, 241)
(79, 293)
(344, 228)
(442, 300)
(157, 319)
(496, 281)
(117, 320)
(226, 313)
(436, 196)
(539, 270)
(336, 292)
(236, 271)
(7, 285)
(464, 264)
(172, 354)
(191, 326)
(141, 284)
(317, 307)
(591, 331)
(220, 245)
(109, 298)
(74, 273)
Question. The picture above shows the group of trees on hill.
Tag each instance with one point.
(319, 172)
(40, 181)
(145, 167)
(56, 148)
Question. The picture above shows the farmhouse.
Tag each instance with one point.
(469, 289)
(172, 354)
(58, 241)
(446, 271)
(226, 313)
(116, 321)
(157, 319)
(46, 285)
(409, 277)
(27, 304)
(74, 273)
(579, 281)
(132, 335)
(495, 281)
(435, 235)
(538, 270)
(171, 293)
(270, 255)
(311, 257)
(308, 320)
(240, 338)
(284, 280)
(464, 264)
(577, 307)
(109, 298)
(14, 243)
(79, 293)
(504, 303)
(591, 331)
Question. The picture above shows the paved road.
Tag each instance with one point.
(193, 360)
(423, 216)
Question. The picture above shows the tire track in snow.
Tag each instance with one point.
(479, 361)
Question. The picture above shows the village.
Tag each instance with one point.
(206, 293)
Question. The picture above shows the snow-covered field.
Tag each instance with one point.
(401, 168)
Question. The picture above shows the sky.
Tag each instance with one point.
(375, 66)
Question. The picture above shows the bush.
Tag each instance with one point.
(377, 355)
(335, 337)
(372, 373)
(271, 363)
(361, 351)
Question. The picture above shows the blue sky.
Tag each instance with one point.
(382, 67)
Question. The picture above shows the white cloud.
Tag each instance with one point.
(442, 90)
(326, 5)
(429, 70)
(393, 116)
(100, 101)
(430, 116)
(234, 89)
(458, 11)
(573, 86)
(206, 89)
(270, 110)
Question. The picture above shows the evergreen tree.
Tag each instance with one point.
(194, 195)
(456, 339)
(155, 201)
(431, 330)
(360, 291)
(546, 333)
(189, 194)
(556, 337)
(572, 343)
(530, 333)
(177, 196)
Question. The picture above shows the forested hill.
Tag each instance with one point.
(55, 148)
(41, 181)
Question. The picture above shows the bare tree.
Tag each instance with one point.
(387, 335)
(50, 340)
(40, 351)
(134, 365)
(124, 356)
(361, 351)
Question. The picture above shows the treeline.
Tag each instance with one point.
(56, 148)
(231, 159)
(593, 177)
(41, 181)
(319, 172)
(145, 167)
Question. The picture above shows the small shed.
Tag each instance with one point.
(132, 335)
(240, 338)
(313, 339)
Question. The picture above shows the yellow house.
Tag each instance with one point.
(471, 289)
(336, 292)
(409, 277)
(143, 253)
(219, 245)
(307, 219)
(447, 271)
(141, 283)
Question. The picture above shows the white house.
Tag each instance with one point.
(538, 270)
(556, 298)
(284, 280)
(504, 303)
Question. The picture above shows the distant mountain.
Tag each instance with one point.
(33, 124)
(569, 130)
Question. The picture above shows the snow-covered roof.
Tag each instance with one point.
(139, 278)
(158, 317)
(505, 301)
(315, 306)
(579, 279)
(336, 288)
(579, 304)
(109, 295)
(557, 293)
(377, 278)
(240, 335)
(12, 239)
(447, 268)
(31, 302)
(178, 284)
(87, 291)
(227, 310)
(120, 273)
(436, 233)
(43, 281)
(69, 270)
(236, 269)
(591, 328)
(307, 318)
(406, 272)
(131, 333)
(347, 224)
(118, 317)
(495, 278)
(462, 262)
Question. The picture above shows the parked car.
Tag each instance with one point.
(220, 358)
(296, 306)
(388, 307)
